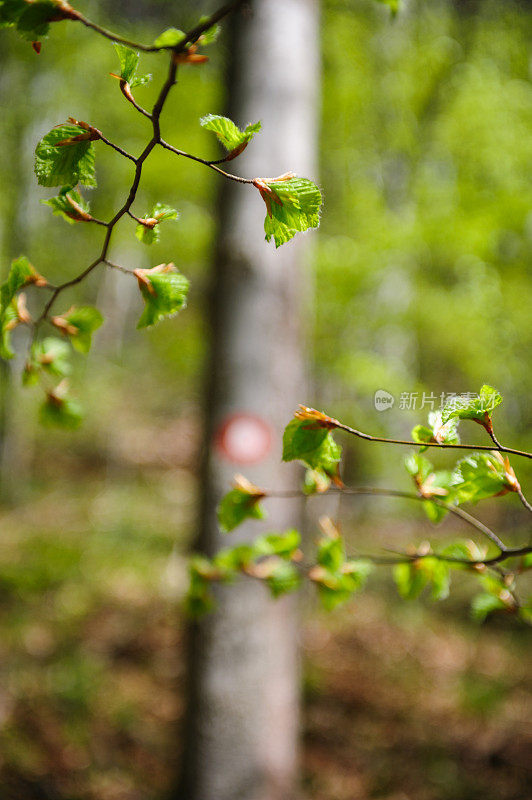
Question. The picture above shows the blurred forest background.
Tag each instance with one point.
(421, 285)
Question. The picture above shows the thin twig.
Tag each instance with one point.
(210, 164)
(409, 443)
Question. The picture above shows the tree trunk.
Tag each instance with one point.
(242, 721)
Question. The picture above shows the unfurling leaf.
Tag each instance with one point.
(412, 577)
(79, 324)
(292, 205)
(147, 231)
(70, 205)
(164, 290)
(309, 439)
(482, 605)
(336, 577)
(233, 139)
(431, 485)
(129, 60)
(65, 156)
(478, 408)
(52, 356)
(211, 34)
(284, 544)
(482, 475)
(60, 410)
(169, 38)
(241, 503)
(436, 431)
(21, 274)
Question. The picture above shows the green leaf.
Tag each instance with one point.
(52, 356)
(316, 481)
(8, 320)
(149, 234)
(481, 475)
(21, 274)
(331, 553)
(436, 431)
(482, 605)
(283, 578)
(464, 549)
(283, 545)
(65, 165)
(70, 205)
(418, 467)
(80, 323)
(10, 11)
(129, 60)
(230, 135)
(292, 205)
(233, 559)
(164, 290)
(304, 440)
(337, 587)
(169, 38)
(32, 19)
(211, 34)
(60, 411)
(410, 579)
(241, 503)
(477, 407)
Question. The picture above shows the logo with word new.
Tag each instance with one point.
(383, 400)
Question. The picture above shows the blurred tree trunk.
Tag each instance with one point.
(242, 722)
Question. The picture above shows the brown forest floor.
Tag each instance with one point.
(402, 701)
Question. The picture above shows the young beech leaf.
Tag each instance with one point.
(169, 38)
(147, 231)
(129, 60)
(292, 205)
(316, 481)
(211, 34)
(60, 410)
(482, 605)
(436, 431)
(8, 321)
(233, 139)
(308, 438)
(52, 356)
(164, 290)
(478, 408)
(337, 578)
(284, 544)
(70, 205)
(79, 324)
(65, 156)
(431, 484)
(482, 475)
(282, 578)
(241, 503)
(21, 274)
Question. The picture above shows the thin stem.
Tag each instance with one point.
(410, 443)
(192, 36)
(524, 500)
(117, 148)
(111, 264)
(210, 164)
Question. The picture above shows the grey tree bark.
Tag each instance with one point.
(242, 723)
